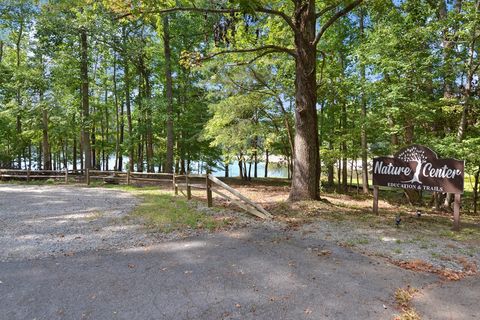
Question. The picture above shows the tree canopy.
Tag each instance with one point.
(177, 85)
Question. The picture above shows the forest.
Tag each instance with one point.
(168, 86)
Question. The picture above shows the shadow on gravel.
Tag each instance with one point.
(258, 274)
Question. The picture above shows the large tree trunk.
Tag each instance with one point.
(126, 80)
(469, 81)
(118, 165)
(475, 191)
(74, 156)
(306, 171)
(47, 161)
(266, 163)
(85, 100)
(363, 131)
(169, 95)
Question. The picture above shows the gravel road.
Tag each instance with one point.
(40, 221)
(68, 253)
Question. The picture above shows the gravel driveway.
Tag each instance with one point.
(68, 253)
(39, 221)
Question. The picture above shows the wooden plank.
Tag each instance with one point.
(31, 171)
(189, 188)
(31, 177)
(108, 172)
(175, 188)
(192, 176)
(209, 192)
(239, 195)
(152, 174)
(150, 179)
(250, 210)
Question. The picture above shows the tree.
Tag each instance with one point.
(301, 25)
(413, 154)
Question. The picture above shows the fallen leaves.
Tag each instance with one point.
(469, 268)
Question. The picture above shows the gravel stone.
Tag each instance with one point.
(393, 243)
(40, 221)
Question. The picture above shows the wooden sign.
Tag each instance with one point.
(419, 168)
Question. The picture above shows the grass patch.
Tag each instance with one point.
(164, 212)
(167, 213)
(403, 298)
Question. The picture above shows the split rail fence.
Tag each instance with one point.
(181, 183)
(211, 185)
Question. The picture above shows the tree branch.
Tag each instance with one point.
(278, 13)
(269, 48)
(334, 18)
(211, 10)
(325, 10)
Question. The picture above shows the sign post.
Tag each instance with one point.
(418, 168)
(375, 199)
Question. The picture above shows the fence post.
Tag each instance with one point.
(209, 191)
(28, 175)
(88, 177)
(189, 188)
(128, 176)
(175, 188)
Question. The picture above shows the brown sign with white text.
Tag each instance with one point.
(418, 167)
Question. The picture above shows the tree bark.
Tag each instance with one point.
(240, 167)
(469, 81)
(74, 156)
(169, 95)
(306, 171)
(126, 79)
(47, 161)
(266, 163)
(363, 131)
(475, 191)
(87, 150)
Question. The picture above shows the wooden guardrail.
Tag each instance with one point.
(126, 177)
(13, 174)
(212, 184)
(180, 183)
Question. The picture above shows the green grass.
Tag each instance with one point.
(164, 212)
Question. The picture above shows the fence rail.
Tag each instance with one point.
(180, 183)
(212, 184)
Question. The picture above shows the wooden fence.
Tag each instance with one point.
(28, 175)
(212, 184)
(180, 183)
(127, 177)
